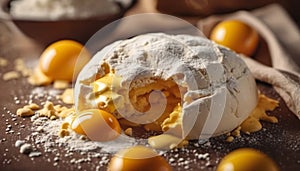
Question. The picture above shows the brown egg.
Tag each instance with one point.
(247, 159)
(138, 158)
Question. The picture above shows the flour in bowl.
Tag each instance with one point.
(66, 9)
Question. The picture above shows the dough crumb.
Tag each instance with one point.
(38, 78)
(25, 111)
(60, 84)
(11, 75)
(18, 143)
(68, 96)
(3, 62)
(128, 132)
(26, 148)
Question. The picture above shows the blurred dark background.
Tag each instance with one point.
(208, 7)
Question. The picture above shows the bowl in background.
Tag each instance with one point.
(45, 31)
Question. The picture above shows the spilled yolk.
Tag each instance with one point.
(105, 89)
(166, 141)
(63, 60)
(246, 159)
(252, 123)
(97, 125)
(236, 35)
(138, 158)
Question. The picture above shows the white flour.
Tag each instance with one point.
(48, 136)
(58, 9)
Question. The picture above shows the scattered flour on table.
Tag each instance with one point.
(73, 142)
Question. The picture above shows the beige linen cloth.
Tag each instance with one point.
(283, 40)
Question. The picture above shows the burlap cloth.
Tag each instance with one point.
(283, 40)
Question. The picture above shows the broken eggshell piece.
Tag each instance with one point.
(157, 72)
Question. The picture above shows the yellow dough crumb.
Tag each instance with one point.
(60, 84)
(11, 75)
(68, 96)
(3, 62)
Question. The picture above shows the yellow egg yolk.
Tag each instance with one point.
(236, 35)
(106, 92)
(63, 60)
(97, 125)
(246, 159)
(138, 158)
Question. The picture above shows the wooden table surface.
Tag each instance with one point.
(280, 141)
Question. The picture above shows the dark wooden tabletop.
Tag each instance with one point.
(280, 141)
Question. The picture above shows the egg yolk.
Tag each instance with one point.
(246, 159)
(97, 125)
(63, 60)
(236, 35)
(138, 158)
